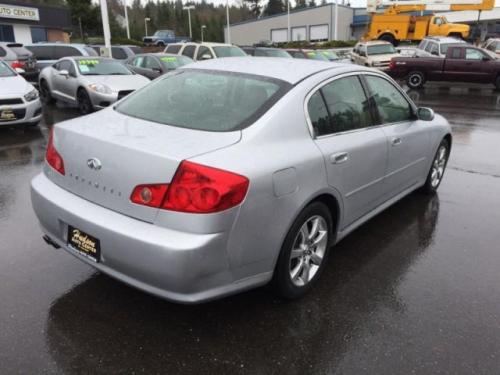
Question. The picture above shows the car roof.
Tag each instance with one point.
(77, 45)
(374, 42)
(77, 58)
(290, 70)
(444, 39)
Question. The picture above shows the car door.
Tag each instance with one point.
(60, 85)
(354, 151)
(407, 137)
(470, 67)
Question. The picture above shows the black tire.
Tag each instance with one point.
(497, 83)
(84, 102)
(282, 278)
(415, 80)
(430, 185)
(160, 44)
(389, 38)
(45, 96)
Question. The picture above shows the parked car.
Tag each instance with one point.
(189, 189)
(377, 54)
(119, 52)
(436, 46)
(463, 63)
(20, 59)
(164, 37)
(265, 51)
(493, 45)
(205, 51)
(91, 83)
(153, 65)
(48, 53)
(299, 53)
(334, 56)
(19, 102)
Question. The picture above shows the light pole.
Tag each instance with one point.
(203, 27)
(105, 27)
(336, 19)
(126, 18)
(227, 18)
(146, 20)
(188, 8)
(288, 19)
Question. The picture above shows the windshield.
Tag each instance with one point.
(272, 53)
(330, 55)
(173, 62)
(381, 49)
(98, 67)
(204, 100)
(6, 71)
(314, 55)
(228, 51)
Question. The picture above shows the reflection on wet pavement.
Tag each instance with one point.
(415, 290)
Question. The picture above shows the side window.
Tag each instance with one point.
(118, 53)
(138, 61)
(65, 65)
(65, 51)
(173, 48)
(151, 63)
(347, 104)
(429, 45)
(248, 51)
(2, 52)
(203, 51)
(391, 105)
(362, 50)
(42, 53)
(434, 49)
(422, 44)
(189, 51)
(72, 70)
(438, 21)
(473, 54)
(456, 53)
(318, 114)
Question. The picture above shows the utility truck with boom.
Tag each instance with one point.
(410, 20)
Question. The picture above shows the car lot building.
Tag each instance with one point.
(23, 22)
(320, 23)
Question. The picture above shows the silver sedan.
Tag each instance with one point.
(232, 173)
(89, 82)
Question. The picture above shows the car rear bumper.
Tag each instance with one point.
(178, 266)
(32, 114)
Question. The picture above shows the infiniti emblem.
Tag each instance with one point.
(94, 164)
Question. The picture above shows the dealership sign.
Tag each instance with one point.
(23, 13)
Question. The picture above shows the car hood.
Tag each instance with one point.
(14, 86)
(118, 83)
(386, 57)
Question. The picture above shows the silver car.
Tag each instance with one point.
(19, 101)
(231, 173)
(91, 83)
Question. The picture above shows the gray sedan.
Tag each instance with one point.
(232, 173)
(91, 83)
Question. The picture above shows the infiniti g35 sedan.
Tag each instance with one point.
(233, 173)
(91, 83)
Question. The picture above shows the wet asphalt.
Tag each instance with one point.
(414, 291)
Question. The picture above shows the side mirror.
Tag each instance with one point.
(157, 70)
(398, 50)
(64, 73)
(206, 56)
(425, 114)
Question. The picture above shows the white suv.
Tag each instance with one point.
(205, 51)
(435, 46)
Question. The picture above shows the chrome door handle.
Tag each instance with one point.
(396, 141)
(339, 158)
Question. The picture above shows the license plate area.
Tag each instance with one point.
(84, 244)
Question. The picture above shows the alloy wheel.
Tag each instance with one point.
(439, 165)
(308, 251)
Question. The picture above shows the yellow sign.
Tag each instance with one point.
(7, 115)
(23, 13)
(88, 62)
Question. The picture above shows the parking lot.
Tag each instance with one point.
(415, 290)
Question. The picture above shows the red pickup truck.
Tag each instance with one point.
(463, 63)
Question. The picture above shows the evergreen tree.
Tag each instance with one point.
(254, 6)
(300, 4)
(274, 7)
(312, 3)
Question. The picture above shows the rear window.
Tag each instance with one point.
(20, 51)
(92, 51)
(205, 100)
(228, 51)
(173, 48)
(118, 53)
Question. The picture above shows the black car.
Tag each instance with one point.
(265, 51)
(20, 59)
(152, 65)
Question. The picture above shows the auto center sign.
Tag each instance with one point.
(23, 13)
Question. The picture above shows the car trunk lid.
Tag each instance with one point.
(107, 154)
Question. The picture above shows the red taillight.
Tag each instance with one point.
(392, 64)
(52, 156)
(17, 64)
(195, 188)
